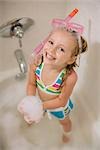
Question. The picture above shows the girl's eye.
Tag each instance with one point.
(51, 42)
(61, 49)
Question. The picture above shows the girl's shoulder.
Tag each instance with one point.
(72, 76)
(36, 62)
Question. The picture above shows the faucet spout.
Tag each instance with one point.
(21, 61)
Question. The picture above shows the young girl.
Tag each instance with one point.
(54, 77)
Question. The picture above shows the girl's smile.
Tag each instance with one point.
(49, 56)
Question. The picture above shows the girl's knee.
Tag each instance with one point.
(66, 123)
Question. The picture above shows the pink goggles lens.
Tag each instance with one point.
(70, 26)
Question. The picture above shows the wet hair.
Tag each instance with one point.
(80, 48)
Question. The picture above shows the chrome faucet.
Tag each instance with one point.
(21, 62)
(16, 28)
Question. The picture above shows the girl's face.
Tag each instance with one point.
(58, 49)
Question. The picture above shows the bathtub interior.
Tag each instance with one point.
(16, 134)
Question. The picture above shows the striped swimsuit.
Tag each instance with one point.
(54, 89)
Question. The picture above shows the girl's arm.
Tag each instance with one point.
(31, 85)
(62, 99)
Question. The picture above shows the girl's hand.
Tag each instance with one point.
(28, 119)
(31, 108)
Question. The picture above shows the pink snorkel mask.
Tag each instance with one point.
(62, 23)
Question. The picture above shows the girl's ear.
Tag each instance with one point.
(72, 60)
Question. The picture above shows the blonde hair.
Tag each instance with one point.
(80, 47)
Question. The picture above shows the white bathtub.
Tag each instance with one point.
(15, 134)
